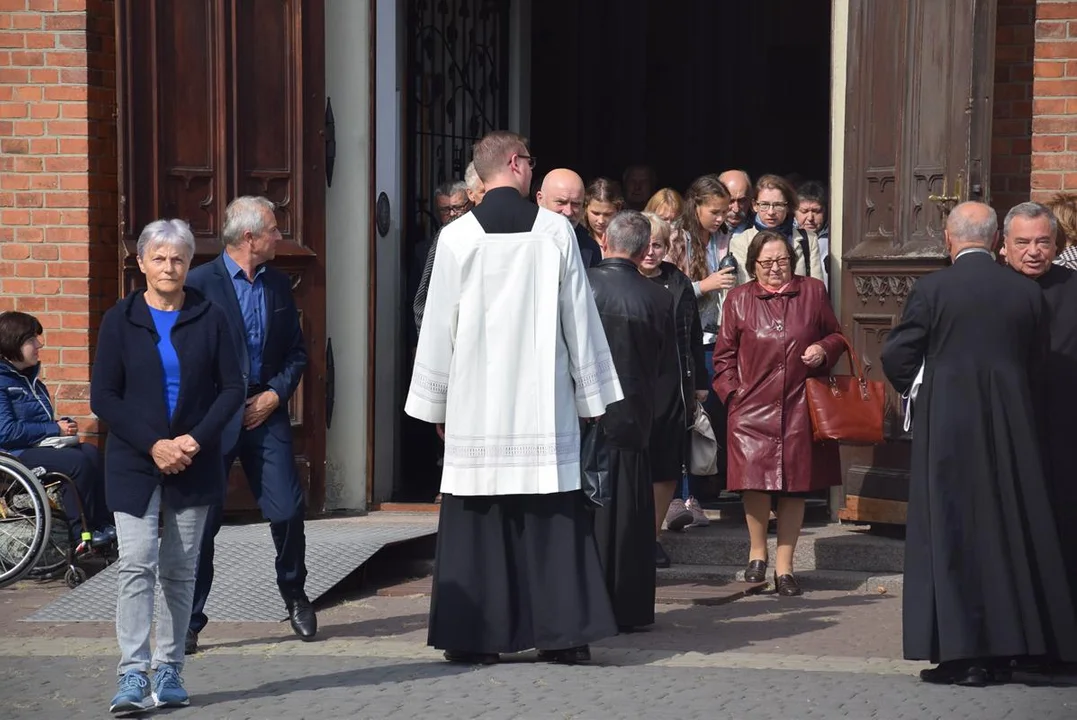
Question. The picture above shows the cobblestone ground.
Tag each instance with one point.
(825, 655)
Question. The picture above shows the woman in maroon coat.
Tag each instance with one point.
(776, 332)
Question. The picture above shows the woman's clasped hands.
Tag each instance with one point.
(175, 455)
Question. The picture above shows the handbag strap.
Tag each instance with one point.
(858, 369)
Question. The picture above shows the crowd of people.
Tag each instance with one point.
(532, 327)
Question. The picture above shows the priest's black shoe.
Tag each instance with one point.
(472, 658)
(568, 656)
(661, 560)
(957, 673)
(301, 615)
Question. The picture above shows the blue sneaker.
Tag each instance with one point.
(168, 688)
(133, 695)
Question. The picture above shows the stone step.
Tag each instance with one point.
(846, 580)
(822, 546)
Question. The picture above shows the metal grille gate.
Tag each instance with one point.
(457, 91)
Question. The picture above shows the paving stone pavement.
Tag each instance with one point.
(825, 655)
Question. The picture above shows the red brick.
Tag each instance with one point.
(1043, 69)
(44, 111)
(15, 217)
(1055, 88)
(13, 251)
(1050, 30)
(30, 269)
(1047, 181)
(34, 305)
(15, 146)
(1055, 161)
(46, 287)
(40, 41)
(15, 286)
(1059, 49)
(45, 252)
(26, 21)
(30, 200)
(30, 234)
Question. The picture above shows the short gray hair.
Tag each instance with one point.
(450, 188)
(1030, 211)
(964, 227)
(244, 214)
(471, 178)
(629, 232)
(175, 233)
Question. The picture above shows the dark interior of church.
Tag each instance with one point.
(687, 86)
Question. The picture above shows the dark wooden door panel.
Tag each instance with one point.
(917, 129)
(216, 100)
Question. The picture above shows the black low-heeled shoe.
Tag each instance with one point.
(756, 572)
(787, 585)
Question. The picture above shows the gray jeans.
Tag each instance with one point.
(146, 555)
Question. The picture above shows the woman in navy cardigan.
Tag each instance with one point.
(166, 381)
(30, 431)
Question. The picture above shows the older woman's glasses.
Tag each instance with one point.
(765, 206)
(768, 264)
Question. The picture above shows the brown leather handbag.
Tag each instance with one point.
(847, 408)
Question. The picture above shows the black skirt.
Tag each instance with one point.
(515, 572)
(625, 533)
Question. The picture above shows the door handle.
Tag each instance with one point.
(945, 199)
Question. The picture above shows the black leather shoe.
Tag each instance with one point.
(304, 621)
(661, 560)
(568, 656)
(470, 658)
(956, 673)
(190, 644)
(787, 586)
(756, 572)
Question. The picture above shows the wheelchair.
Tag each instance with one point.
(47, 546)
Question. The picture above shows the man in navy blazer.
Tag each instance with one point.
(265, 329)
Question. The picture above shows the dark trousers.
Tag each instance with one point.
(266, 456)
(82, 464)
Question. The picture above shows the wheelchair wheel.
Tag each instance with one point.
(25, 520)
(74, 577)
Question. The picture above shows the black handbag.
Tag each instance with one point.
(595, 464)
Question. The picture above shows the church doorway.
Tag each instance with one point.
(686, 87)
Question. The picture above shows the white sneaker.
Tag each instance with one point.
(699, 518)
(678, 517)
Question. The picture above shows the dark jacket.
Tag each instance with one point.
(590, 250)
(637, 316)
(760, 377)
(127, 391)
(689, 336)
(26, 414)
(284, 354)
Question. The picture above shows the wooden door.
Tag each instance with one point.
(220, 98)
(917, 141)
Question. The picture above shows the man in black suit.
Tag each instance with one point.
(265, 328)
(984, 576)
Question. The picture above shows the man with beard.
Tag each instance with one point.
(739, 216)
(1029, 234)
(562, 192)
(510, 356)
(637, 315)
(984, 576)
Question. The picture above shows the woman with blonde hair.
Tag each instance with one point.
(667, 204)
(602, 200)
(1064, 208)
(675, 405)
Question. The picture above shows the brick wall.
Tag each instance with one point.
(1054, 122)
(1011, 162)
(58, 185)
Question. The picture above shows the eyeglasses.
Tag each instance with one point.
(768, 264)
(531, 160)
(454, 209)
(772, 205)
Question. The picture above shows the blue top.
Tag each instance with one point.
(164, 321)
(252, 304)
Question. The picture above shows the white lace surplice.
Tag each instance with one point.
(511, 354)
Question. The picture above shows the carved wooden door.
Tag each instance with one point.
(220, 98)
(917, 141)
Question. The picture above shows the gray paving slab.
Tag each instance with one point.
(389, 688)
(244, 586)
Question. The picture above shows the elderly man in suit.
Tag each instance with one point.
(265, 328)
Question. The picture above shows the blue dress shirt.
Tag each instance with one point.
(252, 305)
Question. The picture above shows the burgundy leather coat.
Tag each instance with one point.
(759, 375)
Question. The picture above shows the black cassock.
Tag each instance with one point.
(1060, 408)
(637, 316)
(984, 574)
(514, 572)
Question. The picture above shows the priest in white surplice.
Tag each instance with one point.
(511, 354)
